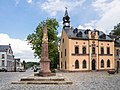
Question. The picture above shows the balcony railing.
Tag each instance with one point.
(78, 54)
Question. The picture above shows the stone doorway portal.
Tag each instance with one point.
(93, 64)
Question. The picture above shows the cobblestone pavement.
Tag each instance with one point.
(81, 81)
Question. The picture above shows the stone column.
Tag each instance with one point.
(45, 62)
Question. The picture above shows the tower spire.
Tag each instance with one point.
(66, 19)
(66, 12)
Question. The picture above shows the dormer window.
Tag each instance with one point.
(79, 34)
(103, 36)
(86, 31)
(75, 30)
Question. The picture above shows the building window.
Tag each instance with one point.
(108, 63)
(9, 51)
(79, 34)
(3, 56)
(102, 50)
(76, 50)
(108, 50)
(84, 63)
(61, 54)
(76, 64)
(65, 52)
(63, 40)
(84, 50)
(3, 63)
(65, 64)
(117, 52)
(61, 64)
(102, 63)
(93, 50)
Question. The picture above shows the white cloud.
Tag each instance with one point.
(90, 25)
(109, 12)
(20, 47)
(29, 1)
(54, 6)
(17, 2)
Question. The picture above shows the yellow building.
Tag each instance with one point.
(117, 50)
(85, 50)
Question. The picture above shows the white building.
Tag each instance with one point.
(17, 64)
(6, 58)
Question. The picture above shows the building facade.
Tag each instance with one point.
(117, 49)
(117, 52)
(6, 58)
(17, 64)
(85, 50)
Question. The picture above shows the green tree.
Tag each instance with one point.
(116, 30)
(35, 40)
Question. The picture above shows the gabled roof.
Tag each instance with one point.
(74, 33)
(4, 48)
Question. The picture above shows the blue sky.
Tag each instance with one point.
(18, 18)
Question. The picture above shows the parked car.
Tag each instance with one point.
(21, 70)
(3, 70)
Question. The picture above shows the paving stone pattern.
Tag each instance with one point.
(81, 81)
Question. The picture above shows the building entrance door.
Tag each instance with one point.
(93, 64)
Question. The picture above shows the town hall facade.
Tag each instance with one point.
(85, 50)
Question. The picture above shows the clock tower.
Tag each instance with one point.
(66, 19)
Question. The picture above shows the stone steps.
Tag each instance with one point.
(44, 80)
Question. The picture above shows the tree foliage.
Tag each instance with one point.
(35, 40)
(116, 30)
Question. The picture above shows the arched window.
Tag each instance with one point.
(102, 50)
(93, 50)
(108, 63)
(102, 63)
(76, 50)
(76, 64)
(84, 50)
(84, 63)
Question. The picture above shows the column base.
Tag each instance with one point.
(44, 74)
